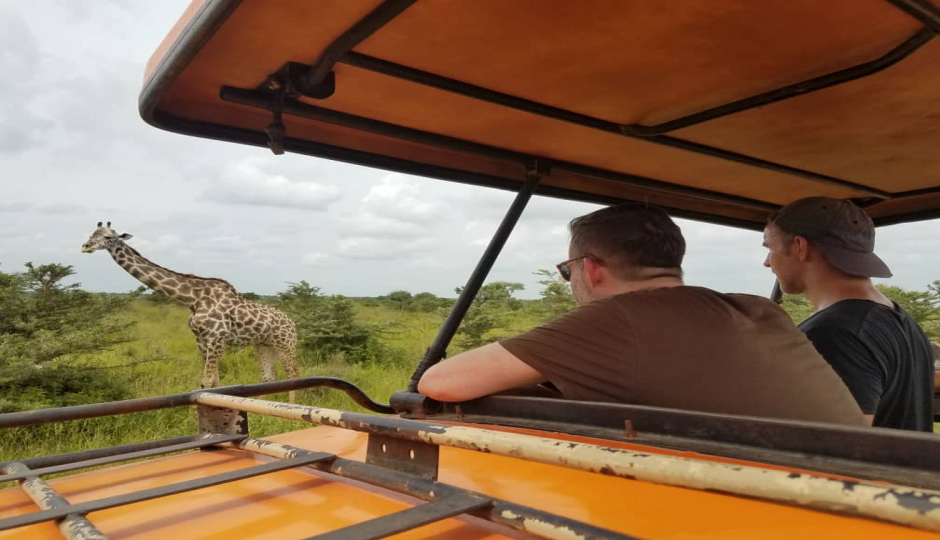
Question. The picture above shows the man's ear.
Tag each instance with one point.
(802, 248)
(126, 236)
(593, 272)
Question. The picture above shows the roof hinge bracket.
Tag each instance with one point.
(537, 168)
(276, 129)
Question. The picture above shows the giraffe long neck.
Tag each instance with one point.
(180, 287)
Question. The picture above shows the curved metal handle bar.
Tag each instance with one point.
(77, 412)
(351, 390)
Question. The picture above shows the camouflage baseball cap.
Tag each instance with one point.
(842, 231)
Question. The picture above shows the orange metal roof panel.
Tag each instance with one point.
(617, 61)
(299, 503)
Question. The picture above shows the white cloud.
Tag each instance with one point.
(73, 146)
(399, 197)
(366, 225)
(376, 248)
(246, 183)
(315, 258)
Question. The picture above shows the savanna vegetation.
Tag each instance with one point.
(60, 346)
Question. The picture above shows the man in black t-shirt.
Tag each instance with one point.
(824, 248)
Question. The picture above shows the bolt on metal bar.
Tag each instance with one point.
(903, 505)
(515, 516)
(922, 10)
(476, 92)
(163, 491)
(67, 467)
(73, 526)
(842, 76)
(405, 520)
(444, 336)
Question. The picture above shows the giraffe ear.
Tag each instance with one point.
(125, 236)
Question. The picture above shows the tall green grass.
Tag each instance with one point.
(163, 359)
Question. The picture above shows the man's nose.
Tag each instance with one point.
(767, 261)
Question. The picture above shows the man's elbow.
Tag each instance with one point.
(436, 385)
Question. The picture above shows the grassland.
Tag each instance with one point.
(163, 359)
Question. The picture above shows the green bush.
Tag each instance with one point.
(327, 326)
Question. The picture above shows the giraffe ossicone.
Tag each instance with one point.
(220, 316)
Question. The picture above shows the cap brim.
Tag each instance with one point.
(854, 262)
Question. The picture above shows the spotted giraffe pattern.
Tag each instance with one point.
(220, 318)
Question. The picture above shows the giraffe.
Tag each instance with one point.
(220, 316)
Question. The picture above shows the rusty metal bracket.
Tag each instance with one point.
(276, 129)
(221, 421)
(412, 457)
(537, 168)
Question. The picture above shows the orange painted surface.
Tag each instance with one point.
(300, 503)
(171, 37)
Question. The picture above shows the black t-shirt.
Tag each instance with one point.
(884, 358)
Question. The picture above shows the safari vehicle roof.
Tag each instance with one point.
(721, 110)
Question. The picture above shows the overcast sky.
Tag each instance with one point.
(73, 151)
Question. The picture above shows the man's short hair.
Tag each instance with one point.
(631, 239)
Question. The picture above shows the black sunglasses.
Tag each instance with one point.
(564, 267)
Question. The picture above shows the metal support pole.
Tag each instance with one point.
(436, 351)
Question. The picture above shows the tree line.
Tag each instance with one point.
(48, 327)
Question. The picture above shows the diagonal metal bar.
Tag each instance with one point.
(117, 458)
(163, 491)
(922, 10)
(842, 76)
(411, 518)
(438, 348)
(369, 24)
(73, 527)
(498, 98)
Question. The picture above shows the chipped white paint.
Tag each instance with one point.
(919, 508)
(73, 527)
(547, 530)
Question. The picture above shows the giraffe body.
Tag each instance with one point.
(221, 318)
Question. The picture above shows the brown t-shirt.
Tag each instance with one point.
(688, 348)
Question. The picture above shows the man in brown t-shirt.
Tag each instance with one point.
(641, 336)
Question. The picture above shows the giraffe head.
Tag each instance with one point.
(102, 238)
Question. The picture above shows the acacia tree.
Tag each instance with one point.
(44, 324)
(556, 298)
(489, 313)
(922, 306)
(327, 325)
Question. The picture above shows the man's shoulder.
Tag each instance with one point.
(848, 315)
(685, 292)
(693, 302)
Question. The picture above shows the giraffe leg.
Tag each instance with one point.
(287, 354)
(211, 353)
(268, 360)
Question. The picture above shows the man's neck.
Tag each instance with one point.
(661, 282)
(830, 289)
